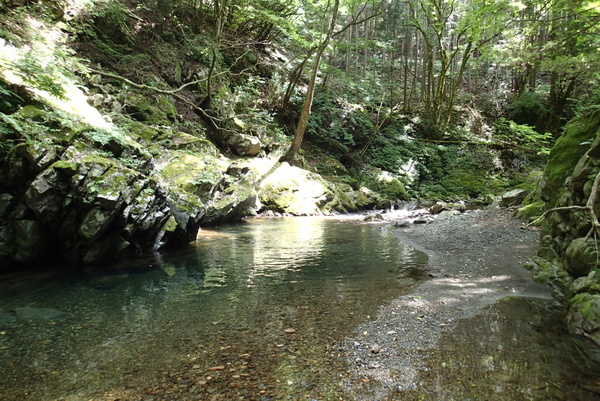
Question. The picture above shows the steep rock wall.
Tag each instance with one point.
(570, 236)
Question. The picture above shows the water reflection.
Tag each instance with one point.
(250, 310)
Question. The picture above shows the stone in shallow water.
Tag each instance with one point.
(7, 318)
(31, 313)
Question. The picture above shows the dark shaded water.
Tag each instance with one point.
(516, 349)
(251, 310)
(256, 312)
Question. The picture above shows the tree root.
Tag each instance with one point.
(589, 206)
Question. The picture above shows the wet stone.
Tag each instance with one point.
(32, 313)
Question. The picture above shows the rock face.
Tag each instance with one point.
(570, 242)
(95, 196)
(86, 209)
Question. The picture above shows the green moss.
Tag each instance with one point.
(181, 140)
(171, 225)
(95, 158)
(157, 110)
(532, 211)
(143, 131)
(584, 314)
(192, 173)
(394, 189)
(549, 273)
(564, 156)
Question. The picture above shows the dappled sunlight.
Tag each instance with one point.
(298, 191)
(41, 67)
(299, 242)
(471, 283)
(457, 290)
(453, 291)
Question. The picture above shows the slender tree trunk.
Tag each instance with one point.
(292, 155)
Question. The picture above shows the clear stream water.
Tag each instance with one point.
(249, 311)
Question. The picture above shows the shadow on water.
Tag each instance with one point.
(516, 349)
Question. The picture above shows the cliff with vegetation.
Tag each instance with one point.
(125, 126)
(570, 243)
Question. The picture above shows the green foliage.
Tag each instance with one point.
(383, 183)
(37, 53)
(531, 108)
(9, 100)
(523, 136)
(461, 171)
(40, 76)
(391, 148)
(568, 150)
(338, 125)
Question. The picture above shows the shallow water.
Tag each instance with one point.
(250, 310)
(516, 349)
(257, 311)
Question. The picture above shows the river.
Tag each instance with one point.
(249, 311)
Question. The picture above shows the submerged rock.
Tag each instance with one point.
(7, 318)
(31, 313)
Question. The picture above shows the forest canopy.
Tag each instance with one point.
(364, 80)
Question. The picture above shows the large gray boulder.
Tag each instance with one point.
(513, 198)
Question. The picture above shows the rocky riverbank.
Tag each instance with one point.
(476, 260)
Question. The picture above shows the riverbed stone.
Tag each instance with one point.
(446, 214)
(38, 313)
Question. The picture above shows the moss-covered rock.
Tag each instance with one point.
(567, 152)
(589, 283)
(292, 190)
(393, 188)
(151, 108)
(531, 212)
(583, 317)
(550, 273)
(193, 173)
(581, 257)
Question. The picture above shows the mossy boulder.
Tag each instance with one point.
(581, 256)
(549, 273)
(192, 173)
(589, 283)
(529, 213)
(567, 152)
(154, 109)
(583, 317)
(292, 190)
(365, 198)
(393, 188)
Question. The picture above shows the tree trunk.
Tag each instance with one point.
(292, 155)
